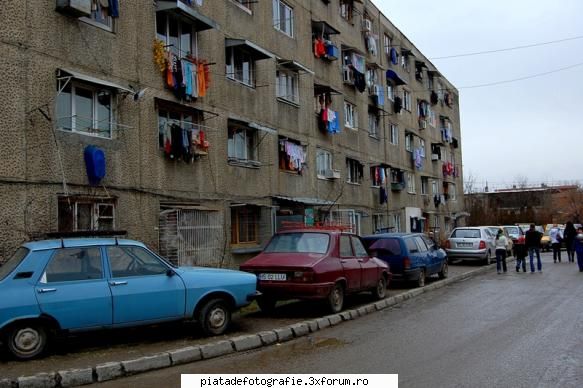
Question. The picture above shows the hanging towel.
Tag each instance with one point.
(201, 81)
(114, 8)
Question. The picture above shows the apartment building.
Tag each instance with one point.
(202, 127)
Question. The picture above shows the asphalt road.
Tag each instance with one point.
(90, 349)
(507, 330)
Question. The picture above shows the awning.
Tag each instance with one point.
(305, 200)
(320, 88)
(395, 77)
(321, 27)
(351, 48)
(407, 52)
(251, 48)
(373, 65)
(434, 73)
(263, 128)
(182, 9)
(167, 103)
(66, 73)
(293, 65)
(420, 64)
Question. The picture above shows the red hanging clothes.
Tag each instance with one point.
(207, 75)
(201, 80)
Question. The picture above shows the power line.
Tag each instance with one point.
(508, 49)
(522, 78)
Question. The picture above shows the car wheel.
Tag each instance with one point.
(380, 291)
(27, 340)
(421, 280)
(336, 298)
(214, 317)
(267, 305)
(444, 270)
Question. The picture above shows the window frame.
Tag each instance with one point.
(350, 112)
(424, 185)
(277, 17)
(179, 51)
(323, 156)
(354, 171)
(250, 141)
(374, 123)
(411, 189)
(394, 134)
(231, 66)
(407, 100)
(92, 20)
(96, 215)
(183, 113)
(249, 211)
(409, 141)
(287, 75)
(244, 5)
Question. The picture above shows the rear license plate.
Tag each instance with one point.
(272, 276)
(465, 245)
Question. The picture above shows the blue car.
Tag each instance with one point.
(67, 285)
(411, 256)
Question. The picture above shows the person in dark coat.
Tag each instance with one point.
(569, 236)
(532, 242)
(578, 248)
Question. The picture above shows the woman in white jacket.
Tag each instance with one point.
(501, 243)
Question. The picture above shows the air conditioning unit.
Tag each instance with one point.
(367, 25)
(74, 8)
(434, 157)
(332, 174)
(422, 124)
(347, 75)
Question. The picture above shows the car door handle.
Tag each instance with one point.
(344, 261)
(361, 260)
(118, 283)
(45, 290)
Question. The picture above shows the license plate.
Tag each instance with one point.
(465, 245)
(272, 276)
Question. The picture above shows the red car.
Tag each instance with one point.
(316, 264)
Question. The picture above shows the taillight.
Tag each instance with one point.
(521, 239)
(447, 244)
(303, 276)
(406, 262)
(482, 245)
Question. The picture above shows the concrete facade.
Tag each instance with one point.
(171, 204)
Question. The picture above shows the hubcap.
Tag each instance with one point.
(217, 318)
(381, 287)
(336, 297)
(27, 340)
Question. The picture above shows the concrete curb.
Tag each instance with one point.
(114, 370)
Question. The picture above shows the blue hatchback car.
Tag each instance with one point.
(85, 284)
(411, 256)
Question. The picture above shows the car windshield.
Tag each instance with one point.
(13, 262)
(299, 243)
(512, 231)
(466, 233)
(494, 230)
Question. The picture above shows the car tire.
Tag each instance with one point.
(267, 305)
(421, 279)
(444, 270)
(214, 317)
(380, 291)
(336, 298)
(27, 340)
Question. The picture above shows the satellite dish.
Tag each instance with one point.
(139, 94)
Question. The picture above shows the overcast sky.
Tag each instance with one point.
(529, 129)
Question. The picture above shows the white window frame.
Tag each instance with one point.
(422, 147)
(177, 48)
(245, 76)
(387, 43)
(390, 91)
(95, 89)
(396, 223)
(373, 124)
(410, 183)
(323, 162)
(407, 100)
(96, 205)
(424, 185)
(394, 134)
(287, 85)
(405, 62)
(350, 115)
(105, 24)
(409, 140)
(235, 150)
(434, 187)
(379, 222)
(452, 192)
(286, 24)
(194, 124)
(352, 171)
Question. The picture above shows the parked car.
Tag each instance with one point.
(82, 284)
(471, 243)
(411, 256)
(494, 230)
(316, 264)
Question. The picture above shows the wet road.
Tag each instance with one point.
(508, 330)
(100, 347)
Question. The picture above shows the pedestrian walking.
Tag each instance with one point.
(532, 242)
(578, 248)
(556, 238)
(501, 248)
(569, 237)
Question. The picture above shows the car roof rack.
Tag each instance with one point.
(87, 234)
(290, 225)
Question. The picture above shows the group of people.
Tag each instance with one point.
(573, 239)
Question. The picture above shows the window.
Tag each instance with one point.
(422, 147)
(407, 100)
(292, 155)
(451, 192)
(347, 10)
(241, 145)
(187, 119)
(299, 243)
(354, 171)
(409, 140)
(390, 91)
(74, 264)
(396, 223)
(283, 17)
(373, 124)
(410, 183)
(424, 185)
(240, 66)
(244, 225)
(405, 62)
(434, 190)
(377, 175)
(345, 247)
(394, 134)
(350, 115)
(133, 261)
(85, 214)
(387, 44)
(287, 86)
(372, 79)
(179, 36)
(430, 83)
(359, 249)
(380, 223)
(323, 162)
(85, 109)
(100, 15)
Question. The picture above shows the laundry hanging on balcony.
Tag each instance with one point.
(189, 78)
(296, 155)
(184, 143)
(328, 120)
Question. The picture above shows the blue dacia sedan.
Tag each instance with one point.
(67, 285)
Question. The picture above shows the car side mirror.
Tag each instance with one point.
(170, 272)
